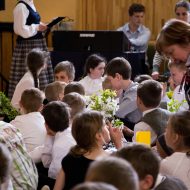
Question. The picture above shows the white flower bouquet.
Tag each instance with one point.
(106, 103)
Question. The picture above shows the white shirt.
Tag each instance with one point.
(142, 126)
(55, 149)
(177, 165)
(91, 86)
(26, 82)
(180, 96)
(32, 128)
(20, 14)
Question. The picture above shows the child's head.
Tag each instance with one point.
(88, 130)
(117, 70)
(74, 87)
(36, 62)
(64, 71)
(144, 161)
(94, 186)
(76, 102)
(182, 9)
(141, 78)
(178, 131)
(115, 171)
(149, 94)
(55, 91)
(56, 115)
(106, 84)
(5, 164)
(177, 71)
(31, 100)
(94, 66)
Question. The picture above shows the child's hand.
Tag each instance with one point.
(116, 135)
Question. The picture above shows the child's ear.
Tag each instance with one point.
(118, 76)
(147, 182)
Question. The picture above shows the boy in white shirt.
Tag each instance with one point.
(31, 123)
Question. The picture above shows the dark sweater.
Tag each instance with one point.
(157, 120)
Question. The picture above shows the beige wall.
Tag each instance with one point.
(48, 9)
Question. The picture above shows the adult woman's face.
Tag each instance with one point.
(177, 53)
(182, 14)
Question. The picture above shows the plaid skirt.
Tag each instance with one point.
(19, 67)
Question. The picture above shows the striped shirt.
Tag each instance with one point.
(24, 173)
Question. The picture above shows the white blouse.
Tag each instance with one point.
(20, 14)
(91, 86)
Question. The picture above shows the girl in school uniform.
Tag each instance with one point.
(29, 28)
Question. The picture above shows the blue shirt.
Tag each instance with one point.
(139, 39)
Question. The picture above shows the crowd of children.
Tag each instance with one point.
(57, 141)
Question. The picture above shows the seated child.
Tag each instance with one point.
(5, 165)
(149, 94)
(23, 172)
(177, 71)
(118, 72)
(64, 72)
(114, 171)
(74, 87)
(36, 62)
(178, 138)
(55, 91)
(76, 102)
(141, 78)
(94, 186)
(94, 70)
(59, 139)
(147, 163)
(31, 123)
(88, 129)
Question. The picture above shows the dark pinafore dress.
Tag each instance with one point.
(23, 46)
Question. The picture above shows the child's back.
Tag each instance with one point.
(149, 94)
(31, 123)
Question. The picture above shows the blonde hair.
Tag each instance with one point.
(54, 89)
(76, 102)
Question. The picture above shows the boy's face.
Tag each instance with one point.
(115, 81)
(62, 76)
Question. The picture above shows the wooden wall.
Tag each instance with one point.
(110, 14)
(89, 15)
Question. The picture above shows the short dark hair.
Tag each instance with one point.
(119, 65)
(142, 158)
(150, 93)
(141, 78)
(32, 100)
(92, 62)
(184, 4)
(74, 87)
(136, 8)
(56, 115)
(115, 171)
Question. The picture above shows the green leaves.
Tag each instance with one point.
(174, 105)
(6, 108)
